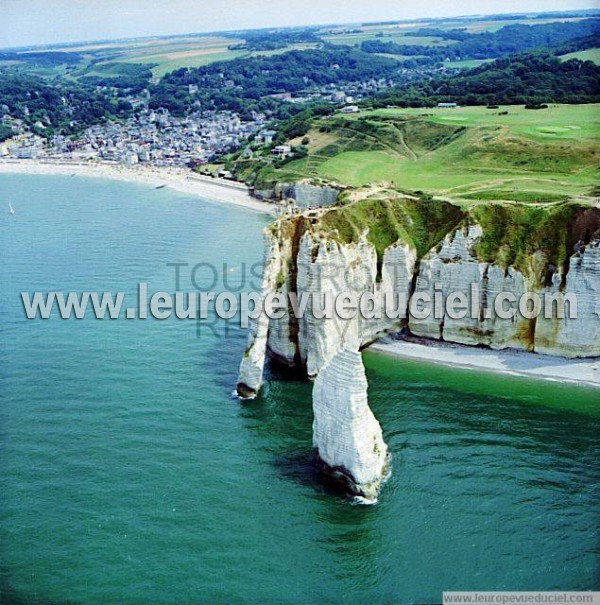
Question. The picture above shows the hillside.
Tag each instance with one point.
(466, 154)
(531, 78)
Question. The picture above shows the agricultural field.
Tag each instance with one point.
(164, 54)
(469, 153)
(192, 52)
(403, 33)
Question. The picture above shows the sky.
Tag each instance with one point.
(29, 22)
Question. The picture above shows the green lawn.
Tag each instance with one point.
(445, 174)
(577, 122)
(527, 155)
(467, 64)
(591, 54)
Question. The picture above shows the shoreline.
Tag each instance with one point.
(582, 372)
(183, 181)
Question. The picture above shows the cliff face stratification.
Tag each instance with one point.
(251, 369)
(304, 193)
(412, 247)
(455, 268)
(577, 337)
(346, 436)
(324, 266)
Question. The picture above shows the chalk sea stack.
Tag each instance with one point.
(346, 435)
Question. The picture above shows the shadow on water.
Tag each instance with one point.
(222, 361)
(303, 469)
(279, 421)
(10, 596)
(282, 411)
(281, 418)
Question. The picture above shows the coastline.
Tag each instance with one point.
(214, 190)
(584, 372)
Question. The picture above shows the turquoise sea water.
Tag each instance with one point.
(129, 475)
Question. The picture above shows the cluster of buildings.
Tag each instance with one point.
(152, 137)
(160, 139)
(24, 145)
(349, 93)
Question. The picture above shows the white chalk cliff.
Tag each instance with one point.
(252, 366)
(303, 257)
(322, 266)
(580, 336)
(346, 435)
(312, 262)
(454, 268)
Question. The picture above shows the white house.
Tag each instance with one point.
(281, 150)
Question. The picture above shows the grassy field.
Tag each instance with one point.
(469, 153)
(467, 64)
(168, 61)
(574, 122)
(168, 54)
(592, 54)
(355, 39)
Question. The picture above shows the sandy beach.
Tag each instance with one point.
(585, 372)
(216, 190)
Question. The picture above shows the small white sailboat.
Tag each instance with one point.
(10, 208)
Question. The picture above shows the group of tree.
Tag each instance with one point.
(127, 78)
(247, 84)
(531, 79)
(264, 40)
(42, 58)
(558, 37)
(60, 106)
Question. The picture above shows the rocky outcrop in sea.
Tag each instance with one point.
(557, 253)
(347, 438)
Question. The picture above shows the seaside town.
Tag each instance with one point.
(151, 137)
(158, 138)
